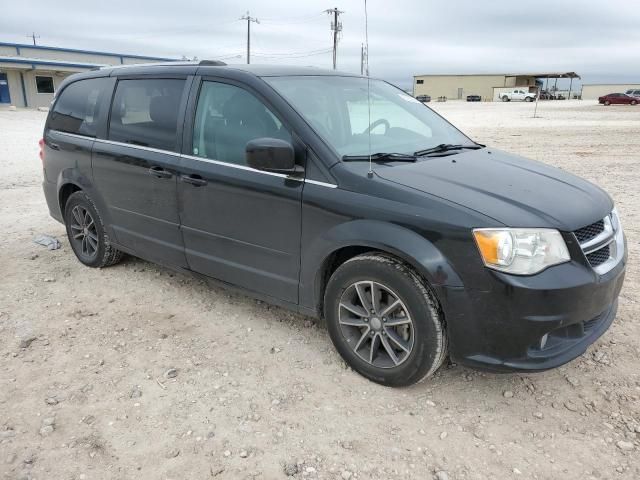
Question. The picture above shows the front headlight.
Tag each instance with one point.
(521, 251)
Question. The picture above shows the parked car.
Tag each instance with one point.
(517, 94)
(633, 93)
(618, 99)
(423, 98)
(474, 98)
(412, 241)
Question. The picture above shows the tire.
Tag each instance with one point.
(528, 99)
(86, 233)
(634, 102)
(416, 322)
(505, 98)
(607, 103)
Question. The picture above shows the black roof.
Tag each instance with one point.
(235, 71)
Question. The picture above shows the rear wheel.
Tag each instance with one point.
(528, 99)
(634, 102)
(384, 321)
(505, 98)
(86, 233)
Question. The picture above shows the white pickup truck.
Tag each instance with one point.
(517, 94)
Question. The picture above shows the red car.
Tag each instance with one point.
(619, 98)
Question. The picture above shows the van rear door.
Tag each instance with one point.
(134, 168)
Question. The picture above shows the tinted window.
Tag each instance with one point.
(77, 110)
(44, 84)
(145, 112)
(227, 118)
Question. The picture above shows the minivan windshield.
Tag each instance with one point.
(337, 108)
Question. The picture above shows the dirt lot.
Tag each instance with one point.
(260, 392)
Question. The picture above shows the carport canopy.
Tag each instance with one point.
(547, 76)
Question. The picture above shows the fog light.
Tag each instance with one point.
(543, 340)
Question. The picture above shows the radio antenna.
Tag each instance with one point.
(366, 39)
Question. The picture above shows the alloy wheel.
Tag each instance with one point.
(84, 232)
(376, 324)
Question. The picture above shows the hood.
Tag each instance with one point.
(513, 190)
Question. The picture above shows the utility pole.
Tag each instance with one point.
(362, 59)
(336, 28)
(249, 19)
(33, 37)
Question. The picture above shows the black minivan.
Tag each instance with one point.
(342, 198)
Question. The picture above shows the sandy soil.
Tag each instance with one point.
(259, 392)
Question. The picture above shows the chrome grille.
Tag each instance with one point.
(599, 256)
(587, 233)
(602, 243)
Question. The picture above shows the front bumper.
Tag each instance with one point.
(531, 323)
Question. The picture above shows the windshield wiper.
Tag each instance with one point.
(447, 147)
(380, 157)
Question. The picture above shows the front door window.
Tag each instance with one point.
(227, 118)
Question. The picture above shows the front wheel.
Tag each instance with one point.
(634, 102)
(384, 321)
(607, 103)
(87, 234)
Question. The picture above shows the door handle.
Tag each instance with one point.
(195, 180)
(160, 172)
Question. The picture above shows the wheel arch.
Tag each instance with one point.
(362, 236)
(64, 192)
(71, 180)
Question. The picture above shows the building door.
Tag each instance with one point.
(460, 94)
(4, 89)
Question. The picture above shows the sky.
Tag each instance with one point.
(599, 40)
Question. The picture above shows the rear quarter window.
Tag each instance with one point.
(77, 110)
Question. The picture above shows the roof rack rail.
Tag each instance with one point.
(211, 63)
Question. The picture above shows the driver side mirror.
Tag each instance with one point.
(271, 155)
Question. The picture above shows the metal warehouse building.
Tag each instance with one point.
(29, 74)
(591, 91)
(488, 86)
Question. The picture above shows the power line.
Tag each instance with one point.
(272, 57)
(305, 52)
(312, 19)
(336, 27)
(33, 37)
(249, 19)
(297, 19)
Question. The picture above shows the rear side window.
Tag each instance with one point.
(145, 112)
(78, 108)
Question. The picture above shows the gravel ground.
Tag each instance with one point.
(138, 372)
